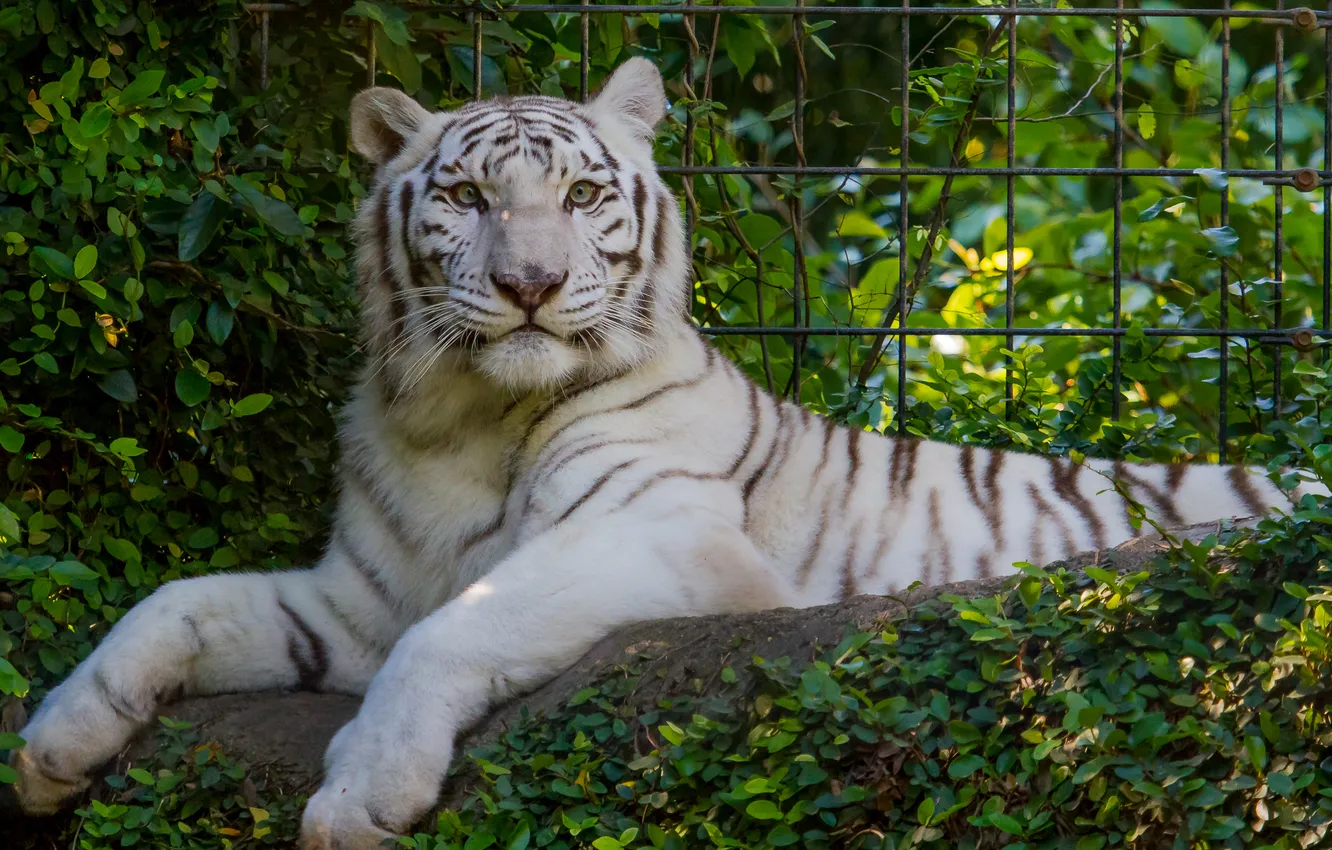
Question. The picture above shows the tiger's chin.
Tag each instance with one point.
(529, 360)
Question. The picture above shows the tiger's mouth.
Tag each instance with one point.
(529, 328)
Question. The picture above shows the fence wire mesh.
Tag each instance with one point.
(699, 26)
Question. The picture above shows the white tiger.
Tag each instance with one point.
(544, 450)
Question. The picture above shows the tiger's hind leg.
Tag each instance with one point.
(241, 632)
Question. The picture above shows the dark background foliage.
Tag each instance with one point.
(177, 309)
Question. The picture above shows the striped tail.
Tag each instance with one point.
(1185, 494)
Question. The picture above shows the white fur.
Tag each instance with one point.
(508, 501)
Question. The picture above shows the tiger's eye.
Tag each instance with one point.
(466, 194)
(583, 193)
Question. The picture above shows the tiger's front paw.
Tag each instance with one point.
(41, 789)
(335, 820)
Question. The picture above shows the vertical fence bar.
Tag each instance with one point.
(903, 221)
(1327, 187)
(1011, 217)
(1116, 346)
(371, 53)
(687, 153)
(1278, 155)
(263, 50)
(585, 42)
(802, 306)
(476, 55)
(1224, 281)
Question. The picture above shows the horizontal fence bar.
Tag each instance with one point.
(1267, 336)
(926, 170)
(1276, 16)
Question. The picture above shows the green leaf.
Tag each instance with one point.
(251, 404)
(1257, 751)
(1278, 783)
(1007, 823)
(121, 550)
(925, 811)
(1030, 591)
(9, 527)
(202, 538)
(1268, 622)
(191, 387)
(1213, 178)
(856, 223)
(962, 732)
(95, 121)
(99, 69)
(11, 682)
(206, 133)
(85, 261)
(71, 572)
(10, 741)
(55, 262)
(145, 85)
(961, 768)
(1224, 240)
(45, 361)
(219, 321)
(783, 111)
(400, 60)
(763, 810)
(269, 210)
(199, 225)
(183, 335)
(127, 447)
(10, 440)
(277, 281)
(1146, 121)
(120, 386)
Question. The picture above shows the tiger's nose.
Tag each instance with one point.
(529, 291)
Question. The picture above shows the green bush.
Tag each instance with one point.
(178, 314)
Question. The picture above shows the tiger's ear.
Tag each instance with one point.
(633, 94)
(382, 120)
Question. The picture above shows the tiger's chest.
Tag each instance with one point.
(425, 498)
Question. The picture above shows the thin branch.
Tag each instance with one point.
(896, 309)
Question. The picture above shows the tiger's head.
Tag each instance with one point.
(527, 238)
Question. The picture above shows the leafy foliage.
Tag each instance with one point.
(175, 286)
(189, 795)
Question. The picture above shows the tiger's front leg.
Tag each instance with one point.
(531, 617)
(243, 632)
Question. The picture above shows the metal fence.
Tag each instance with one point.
(895, 323)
